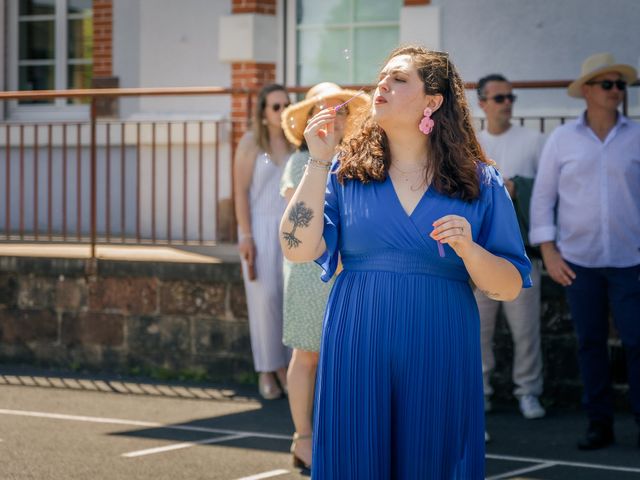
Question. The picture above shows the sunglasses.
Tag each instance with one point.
(277, 106)
(608, 84)
(502, 97)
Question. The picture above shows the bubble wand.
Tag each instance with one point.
(360, 92)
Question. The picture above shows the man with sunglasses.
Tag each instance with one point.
(516, 150)
(585, 215)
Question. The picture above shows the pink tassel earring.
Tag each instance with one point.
(426, 124)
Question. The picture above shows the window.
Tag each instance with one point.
(52, 47)
(344, 41)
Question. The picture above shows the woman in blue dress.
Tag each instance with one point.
(417, 214)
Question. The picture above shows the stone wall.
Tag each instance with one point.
(126, 317)
(144, 317)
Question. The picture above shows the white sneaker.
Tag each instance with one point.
(487, 404)
(530, 407)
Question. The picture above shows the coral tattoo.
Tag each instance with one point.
(300, 216)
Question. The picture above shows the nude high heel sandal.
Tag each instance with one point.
(297, 461)
(268, 391)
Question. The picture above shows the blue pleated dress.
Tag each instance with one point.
(399, 390)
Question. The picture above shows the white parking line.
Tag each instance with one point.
(136, 423)
(191, 428)
(259, 476)
(595, 466)
(522, 470)
(78, 418)
(178, 446)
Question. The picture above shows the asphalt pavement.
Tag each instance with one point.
(62, 425)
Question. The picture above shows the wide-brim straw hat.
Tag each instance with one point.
(296, 115)
(599, 64)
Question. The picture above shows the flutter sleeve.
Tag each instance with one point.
(331, 233)
(499, 231)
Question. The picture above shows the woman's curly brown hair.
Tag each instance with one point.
(455, 151)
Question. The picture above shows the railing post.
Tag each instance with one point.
(93, 191)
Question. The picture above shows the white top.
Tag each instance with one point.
(586, 196)
(516, 151)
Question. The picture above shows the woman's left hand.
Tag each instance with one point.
(455, 231)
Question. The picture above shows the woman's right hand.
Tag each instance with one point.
(320, 135)
(247, 250)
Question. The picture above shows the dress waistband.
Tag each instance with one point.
(403, 262)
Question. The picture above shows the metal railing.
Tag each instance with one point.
(117, 181)
(161, 182)
(126, 150)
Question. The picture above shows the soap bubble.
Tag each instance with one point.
(346, 53)
(266, 158)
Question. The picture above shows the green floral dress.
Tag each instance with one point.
(305, 295)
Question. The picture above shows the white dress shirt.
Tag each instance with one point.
(586, 195)
(516, 151)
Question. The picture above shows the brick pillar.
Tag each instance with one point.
(249, 74)
(266, 7)
(103, 55)
(253, 76)
(408, 3)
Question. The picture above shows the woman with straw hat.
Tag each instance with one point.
(305, 295)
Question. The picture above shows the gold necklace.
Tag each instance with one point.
(406, 177)
(408, 173)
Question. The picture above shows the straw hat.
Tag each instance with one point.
(296, 115)
(597, 65)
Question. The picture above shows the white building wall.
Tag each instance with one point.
(165, 43)
(421, 24)
(172, 43)
(539, 40)
(156, 43)
(126, 50)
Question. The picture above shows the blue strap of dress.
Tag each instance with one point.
(403, 262)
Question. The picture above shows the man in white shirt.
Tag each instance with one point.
(585, 215)
(516, 150)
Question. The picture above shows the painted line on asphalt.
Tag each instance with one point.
(179, 446)
(190, 428)
(595, 466)
(522, 470)
(259, 476)
(136, 423)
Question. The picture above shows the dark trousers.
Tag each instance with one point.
(590, 296)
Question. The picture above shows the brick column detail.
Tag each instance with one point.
(102, 38)
(266, 7)
(408, 3)
(249, 75)
(103, 55)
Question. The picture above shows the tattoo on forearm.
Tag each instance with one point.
(493, 296)
(300, 216)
